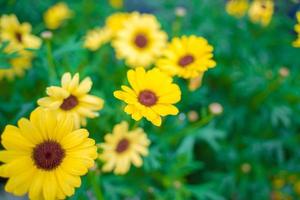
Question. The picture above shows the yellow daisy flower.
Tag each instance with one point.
(261, 11)
(151, 96)
(115, 22)
(19, 37)
(237, 8)
(296, 43)
(140, 41)
(95, 38)
(123, 147)
(56, 15)
(45, 156)
(187, 57)
(72, 99)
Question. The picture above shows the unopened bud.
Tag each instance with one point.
(216, 108)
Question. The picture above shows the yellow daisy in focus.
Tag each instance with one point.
(72, 99)
(45, 156)
(96, 38)
(152, 95)
(19, 38)
(237, 8)
(140, 41)
(123, 147)
(56, 15)
(296, 43)
(187, 57)
(261, 11)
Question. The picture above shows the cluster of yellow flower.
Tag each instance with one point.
(16, 39)
(52, 148)
(296, 43)
(260, 11)
(18, 42)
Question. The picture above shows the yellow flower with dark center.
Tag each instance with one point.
(152, 95)
(72, 99)
(140, 41)
(123, 147)
(261, 11)
(19, 38)
(97, 37)
(18, 35)
(56, 15)
(45, 156)
(187, 57)
(237, 8)
(296, 43)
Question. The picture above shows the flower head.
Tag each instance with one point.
(72, 99)
(115, 22)
(19, 38)
(95, 38)
(56, 15)
(261, 11)
(152, 95)
(187, 57)
(296, 43)
(140, 41)
(237, 8)
(45, 157)
(123, 147)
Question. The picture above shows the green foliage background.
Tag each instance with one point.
(188, 160)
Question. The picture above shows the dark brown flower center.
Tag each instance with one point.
(147, 98)
(122, 145)
(186, 60)
(19, 36)
(141, 41)
(48, 155)
(69, 103)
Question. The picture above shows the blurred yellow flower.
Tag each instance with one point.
(16, 67)
(151, 96)
(123, 147)
(187, 57)
(116, 3)
(45, 156)
(237, 8)
(72, 99)
(115, 22)
(19, 38)
(261, 11)
(56, 15)
(95, 38)
(140, 41)
(296, 43)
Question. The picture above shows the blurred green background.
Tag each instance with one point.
(250, 151)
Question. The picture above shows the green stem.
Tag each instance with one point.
(50, 59)
(273, 86)
(96, 186)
